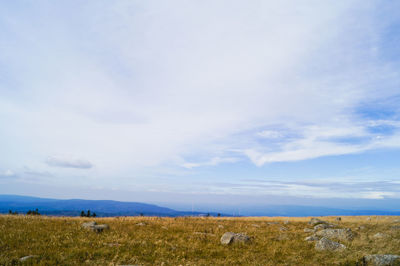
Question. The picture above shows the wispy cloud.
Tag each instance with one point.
(214, 161)
(8, 174)
(68, 163)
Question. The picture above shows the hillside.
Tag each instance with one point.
(188, 241)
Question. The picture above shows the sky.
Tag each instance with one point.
(201, 102)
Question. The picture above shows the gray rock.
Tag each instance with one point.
(323, 226)
(95, 227)
(340, 234)
(27, 258)
(282, 228)
(309, 230)
(381, 260)
(255, 225)
(286, 222)
(311, 238)
(272, 223)
(141, 224)
(89, 224)
(230, 237)
(315, 221)
(397, 221)
(99, 228)
(327, 244)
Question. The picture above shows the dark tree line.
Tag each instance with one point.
(88, 214)
(35, 212)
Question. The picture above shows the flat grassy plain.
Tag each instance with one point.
(186, 241)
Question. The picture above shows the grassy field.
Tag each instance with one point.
(185, 241)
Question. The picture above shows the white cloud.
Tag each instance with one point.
(214, 161)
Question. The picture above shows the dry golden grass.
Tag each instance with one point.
(184, 241)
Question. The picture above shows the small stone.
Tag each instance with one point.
(95, 227)
(381, 260)
(361, 227)
(286, 222)
(282, 228)
(315, 221)
(27, 258)
(220, 226)
(140, 224)
(323, 226)
(327, 244)
(379, 235)
(255, 225)
(99, 228)
(89, 224)
(309, 230)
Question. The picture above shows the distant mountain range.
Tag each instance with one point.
(109, 208)
(73, 207)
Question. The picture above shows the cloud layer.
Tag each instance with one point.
(145, 89)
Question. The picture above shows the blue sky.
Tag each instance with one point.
(197, 100)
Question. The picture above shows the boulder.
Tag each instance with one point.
(339, 234)
(315, 221)
(327, 244)
(381, 260)
(230, 237)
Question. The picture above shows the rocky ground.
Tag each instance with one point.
(200, 241)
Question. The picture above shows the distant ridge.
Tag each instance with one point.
(73, 207)
(111, 208)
